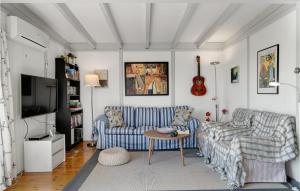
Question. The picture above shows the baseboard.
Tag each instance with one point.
(293, 182)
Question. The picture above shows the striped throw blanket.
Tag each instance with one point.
(267, 137)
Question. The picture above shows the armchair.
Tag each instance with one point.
(253, 138)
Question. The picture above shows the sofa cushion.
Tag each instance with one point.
(115, 117)
(242, 118)
(128, 114)
(167, 114)
(128, 130)
(182, 117)
(146, 116)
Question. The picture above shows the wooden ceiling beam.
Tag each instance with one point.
(268, 16)
(149, 7)
(71, 18)
(111, 22)
(227, 13)
(188, 14)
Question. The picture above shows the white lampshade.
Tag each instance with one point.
(91, 80)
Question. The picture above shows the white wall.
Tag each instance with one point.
(282, 32)
(186, 69)
(149, 56)
(88, 62)
(235, 94)
(25, 60)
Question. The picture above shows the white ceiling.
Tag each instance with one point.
(166, 18)
(91, 17)
(242, 16)
(130, 22)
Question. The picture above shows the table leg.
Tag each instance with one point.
(181, 152)
(152, 146)
(150, 150)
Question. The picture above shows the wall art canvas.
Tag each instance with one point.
(235, 74)
(103, 77)
(267, 69)
(146, 78)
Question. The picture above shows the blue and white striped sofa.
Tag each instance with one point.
(137, 120)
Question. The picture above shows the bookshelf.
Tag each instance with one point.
(69, 117)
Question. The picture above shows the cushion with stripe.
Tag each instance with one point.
(128, 130)
(128, 114)
(146, 116)
(167, 114)
(242, 117)
(267, 124)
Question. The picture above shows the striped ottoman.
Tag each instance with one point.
(114, 156)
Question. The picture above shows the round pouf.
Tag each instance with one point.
(113, 156)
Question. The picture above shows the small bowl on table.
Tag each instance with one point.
(165, 130)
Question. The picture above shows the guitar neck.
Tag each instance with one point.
(198, 62)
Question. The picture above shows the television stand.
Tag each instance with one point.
(44, 155)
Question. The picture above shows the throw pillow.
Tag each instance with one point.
(182, 116)
(115, 117)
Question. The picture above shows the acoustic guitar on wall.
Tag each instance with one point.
(198, 88)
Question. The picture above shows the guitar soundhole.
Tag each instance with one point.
(199, 82)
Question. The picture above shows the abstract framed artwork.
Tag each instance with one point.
(146, 78)
(235, 74)
(103, 77)
(268, 70)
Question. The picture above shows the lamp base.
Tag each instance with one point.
(91, 144)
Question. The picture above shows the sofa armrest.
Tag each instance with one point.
(99, 126)
(208, 126)
(229, 132)
(193, 123)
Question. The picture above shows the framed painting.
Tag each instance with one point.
(235, 74)
(268, 70)
(103, 78)
(146, 78)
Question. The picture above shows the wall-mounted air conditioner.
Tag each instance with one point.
(25, 33)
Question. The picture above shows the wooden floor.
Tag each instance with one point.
(61, 175)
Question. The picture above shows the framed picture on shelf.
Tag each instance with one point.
(235, 74)
(267, 69)
(103, 78)
(146, 78)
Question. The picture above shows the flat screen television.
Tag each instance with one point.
(39, 95)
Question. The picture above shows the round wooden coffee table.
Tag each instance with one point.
(154, 135)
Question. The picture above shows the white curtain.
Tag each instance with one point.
(7, 126)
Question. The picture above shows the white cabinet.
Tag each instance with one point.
(44, 155)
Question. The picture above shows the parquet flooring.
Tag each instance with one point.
(59, 177)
